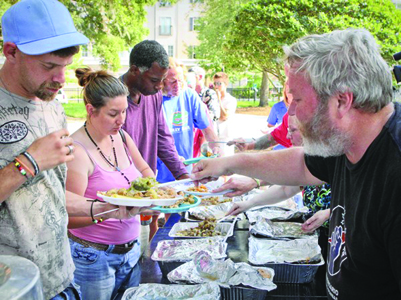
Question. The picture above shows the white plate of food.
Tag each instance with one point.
(138, 202)
(154, 194)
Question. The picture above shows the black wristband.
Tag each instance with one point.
(91, 212)
(32, 161)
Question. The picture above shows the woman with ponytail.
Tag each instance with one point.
(105, 251)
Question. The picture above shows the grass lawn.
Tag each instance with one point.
(75, 110)
(242, 104)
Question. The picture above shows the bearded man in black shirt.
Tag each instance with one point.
(342, 98)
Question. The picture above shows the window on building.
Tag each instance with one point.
(164, 3)
(170, 50)
(193, 23)
(192, 52)
(165, 26)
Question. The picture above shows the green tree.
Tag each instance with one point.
(112, 25)
(213, 29)
(259, 29)
(262, 28)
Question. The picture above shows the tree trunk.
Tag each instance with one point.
(264, 90)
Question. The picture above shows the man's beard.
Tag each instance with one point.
(44, 94)
(321, 138)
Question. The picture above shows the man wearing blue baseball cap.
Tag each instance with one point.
(40, 41)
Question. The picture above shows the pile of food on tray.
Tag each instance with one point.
(205, 228)
(187, 200)
(200, 189)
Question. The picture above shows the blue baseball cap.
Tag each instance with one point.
(40, 26)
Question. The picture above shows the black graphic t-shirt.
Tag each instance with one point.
(364, 250)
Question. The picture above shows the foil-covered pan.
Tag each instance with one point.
(275, 214)
(154, 291)
(203, 269)
(184, 250)
(295, 261)
(279, 230)
(213, 211)
(221, 230)
(217, 211)
(300, 251)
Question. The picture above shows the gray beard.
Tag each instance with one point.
(321, 138)
(335, 145)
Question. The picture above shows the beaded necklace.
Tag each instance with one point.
(115, 166)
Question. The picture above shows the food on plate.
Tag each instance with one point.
(187, 200)
(214, 200)
(149, 190)
(264, 273)
(205, 228)
(200, 189)
(143, 183)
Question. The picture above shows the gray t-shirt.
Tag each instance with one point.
(33, 220)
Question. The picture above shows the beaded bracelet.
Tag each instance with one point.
(24, 167)
(32, 161)
(20, 168)
(91, 211)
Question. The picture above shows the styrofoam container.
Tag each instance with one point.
(224, 228)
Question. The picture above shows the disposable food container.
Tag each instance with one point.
(274, 213)
(279, 230)
(170, 254)
(291, 268)
(154, 291)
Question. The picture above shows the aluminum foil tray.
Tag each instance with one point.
(154, 291)
(184, 250)
(274, 257)
(167, 267)
(224, 273)
(274, 214)
(223, 228)
(212, 211)
(242, 293)
(290, 273)
(279, 230)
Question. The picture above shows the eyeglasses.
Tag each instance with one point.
(217, 83)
